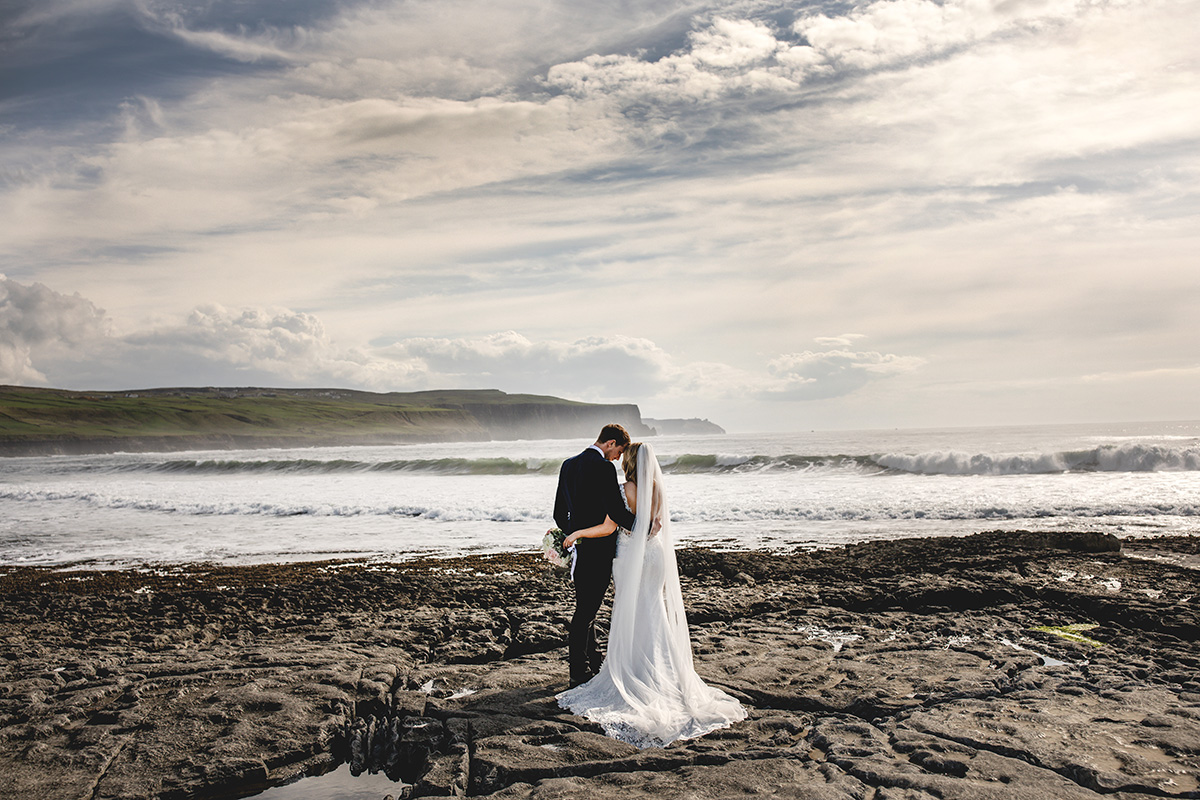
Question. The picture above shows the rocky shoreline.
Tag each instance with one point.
(991, 666)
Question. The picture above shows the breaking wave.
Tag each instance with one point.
(1105, 458)
(489, 466)
(1128, 457)
(439, 466)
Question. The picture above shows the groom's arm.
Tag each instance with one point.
(561, 506)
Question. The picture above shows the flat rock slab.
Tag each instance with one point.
(765, 777)
(988, 666)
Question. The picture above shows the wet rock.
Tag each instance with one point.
(911, 669)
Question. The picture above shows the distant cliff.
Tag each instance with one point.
(666, 427)
(36, 421)
(529, 416)
(542, 421)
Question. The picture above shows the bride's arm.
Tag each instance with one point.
(594, 532)
(631, 495)
(656, 504)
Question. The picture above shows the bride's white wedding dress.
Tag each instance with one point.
(647, 692)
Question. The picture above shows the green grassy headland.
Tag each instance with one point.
(36, 420)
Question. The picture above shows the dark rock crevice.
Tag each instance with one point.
(105, 767)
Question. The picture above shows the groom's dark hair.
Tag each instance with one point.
(614, 432)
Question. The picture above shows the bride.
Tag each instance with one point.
(647, 692)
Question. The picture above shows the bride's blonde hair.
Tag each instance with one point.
(629, 462)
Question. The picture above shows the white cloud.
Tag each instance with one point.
(37, 321)
(241, 48)
(729, 55)
(605, 367)
(832, 373)
(890, 30)
(845, 340)
(284, 346)
(726, 56)
(270, 342)
(304, 160)
(1192, 371)
(621, 368)
(274, 338)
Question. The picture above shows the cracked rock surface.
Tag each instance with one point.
(990, 666)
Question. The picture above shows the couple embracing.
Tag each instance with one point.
(645, 691)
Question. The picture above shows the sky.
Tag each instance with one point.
(778, 216)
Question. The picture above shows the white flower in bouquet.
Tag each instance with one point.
(553, 550)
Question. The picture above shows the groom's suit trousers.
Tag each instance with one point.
(591, 585)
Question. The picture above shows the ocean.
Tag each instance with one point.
(770, 491)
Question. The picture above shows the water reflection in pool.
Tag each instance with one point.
(337, 785)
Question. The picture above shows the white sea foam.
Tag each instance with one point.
(956, 463)
(458, 508)
(838, 639)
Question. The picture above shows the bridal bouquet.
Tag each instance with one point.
(553, 550)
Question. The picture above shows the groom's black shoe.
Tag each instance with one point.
(576, 680)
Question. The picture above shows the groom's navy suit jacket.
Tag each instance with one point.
(587, 492)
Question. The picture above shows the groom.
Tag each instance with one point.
(587, 492)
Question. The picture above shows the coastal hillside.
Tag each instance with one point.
(37, 421)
